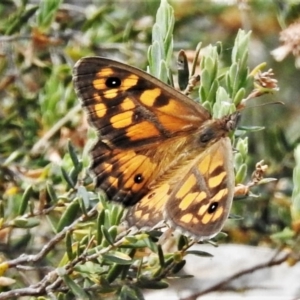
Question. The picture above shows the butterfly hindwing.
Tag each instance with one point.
(129, 174)
(199, 203)
(123, 175)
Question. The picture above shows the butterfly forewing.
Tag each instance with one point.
(132, 109)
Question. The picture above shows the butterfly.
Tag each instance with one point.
(158, 152)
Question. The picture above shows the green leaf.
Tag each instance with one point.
(178, 267)
(161, 50)
(89, 268)
(46, 13)
(235, 217)
(118, 258)
(67, 178)
(73, 154)
(69, 249)
(152, 246)
(199, 253)
(76, 289)
(252, 128)
(286, 234)
(182, 242)
(160, 256)
(114, 272)
(116, 214)
(25, 199)
(241, 173)
(51, 192)
(69, 215)
(129, 293)
(20, 19)
(155, 59)
(100, 223)
(107, 235)
(145, 283)
(25, 223)
(82, 193)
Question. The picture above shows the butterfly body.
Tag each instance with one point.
(158, 151)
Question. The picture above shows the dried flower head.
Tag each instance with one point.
(290, 38)
(264, 83)
(264, 80)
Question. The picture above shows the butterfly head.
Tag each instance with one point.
(214, 129)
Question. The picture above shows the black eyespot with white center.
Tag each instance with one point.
(138, 178)
(213, 207)
(113, 82)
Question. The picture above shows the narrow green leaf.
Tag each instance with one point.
(73, 154)
(84, 195)
(67, 178)
(156, 57)
(267, 180)
(114, 272)
(25, 199)
(235, 217)
(178, 267)
(239, 96)
(160, 256)
(286, 235)
(252, 128)
(51, 192)
(145, 283)
(25, 223)
(242, 146)
(69, 249)
(163, 72)
(100, 223)
(241, 173)
(113, 232)
(118, 258)
(46, 12)
(115, 214)
(20, 20)
(152, 246)
(127, 267)
(182, 242)
(107, 236)
(69, 215)
(76, 289)
(199, 253)
(128, 293)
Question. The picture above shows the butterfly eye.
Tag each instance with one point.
(206, 135)
(138, 178)
(113, 82)
(212, 208)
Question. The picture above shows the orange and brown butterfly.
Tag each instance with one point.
(158, 152)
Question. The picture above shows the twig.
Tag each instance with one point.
(42, 143)
(46, 249)
(221, 284)
(52, 281)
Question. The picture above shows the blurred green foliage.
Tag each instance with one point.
(46, 193)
